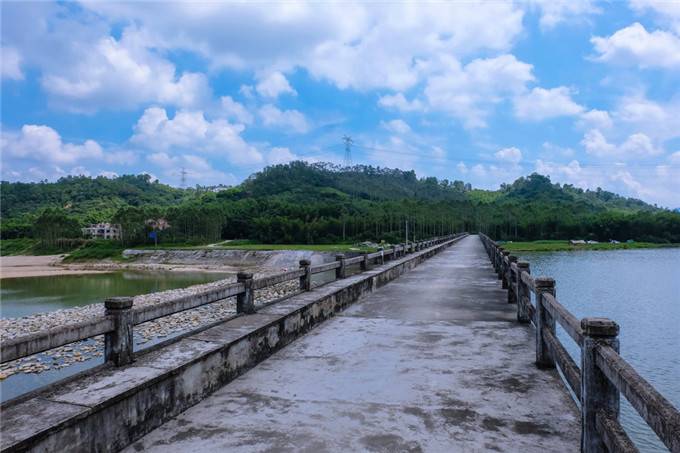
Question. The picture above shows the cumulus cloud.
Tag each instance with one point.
(280, 155)
(197, 169)
(273, 85)
(332, 41)
(44, 144)
(511, 155)
(235, 110)
(637, 145)
(667, 13)
(396, 126)
(540, 103)
(190, 130)
(289, 120)
(467, 92)
(595, 119)
(399, 102)
(634, 45)
(554, 12)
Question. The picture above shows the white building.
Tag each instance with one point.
(102, 231)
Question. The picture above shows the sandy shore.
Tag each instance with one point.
(51, 265)
(38, 266)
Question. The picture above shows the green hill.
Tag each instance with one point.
(322, 203)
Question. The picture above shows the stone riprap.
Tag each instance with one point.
(108, 408)
(434, 361)
(82, 351)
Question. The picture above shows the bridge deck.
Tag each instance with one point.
(434, 361)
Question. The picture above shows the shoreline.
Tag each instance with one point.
(25, 266)
(565, 246)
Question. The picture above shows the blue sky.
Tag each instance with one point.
(586, 92)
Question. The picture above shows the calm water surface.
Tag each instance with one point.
(25, 296)
(640, 290)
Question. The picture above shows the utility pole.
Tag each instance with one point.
(348, 150)
(407, 230)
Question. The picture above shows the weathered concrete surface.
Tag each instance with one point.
(435, 361)
(107, 409)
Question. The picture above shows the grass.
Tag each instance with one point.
(244, 244)
(21, 246)
(97, 250)
(557, 246)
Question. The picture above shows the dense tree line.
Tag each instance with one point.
(321, 203)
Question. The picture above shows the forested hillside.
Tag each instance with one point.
(321, 203)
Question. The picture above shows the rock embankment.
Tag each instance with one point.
(144, 333)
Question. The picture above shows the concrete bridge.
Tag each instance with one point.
(434, 361)
(416, 348)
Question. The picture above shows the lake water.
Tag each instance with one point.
(25, 296)
(640, 290)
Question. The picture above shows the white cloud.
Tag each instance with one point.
(108, 174)
(595, 119)
(11, 63)
(462, 168)
(541, 103)
(290, 120)
(122, 74)
(438, 153)
(191, 131)
(273, 85)
(332, 41)
(44, 144)
(467, 92)
(396, 126)
(634, 45)
(197, 169)
(554, 12)
(280, 155)
(399, 102)
(658, 120)
(637, 145)
(674, 158)
(235, 110)
(511, 155)
(668, 12)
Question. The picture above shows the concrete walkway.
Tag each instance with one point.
(434, 361)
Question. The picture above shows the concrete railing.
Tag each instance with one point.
(603, 375)
(121, 316)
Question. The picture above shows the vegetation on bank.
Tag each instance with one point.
(321, 204)
(559, 246)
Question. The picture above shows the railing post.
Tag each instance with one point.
(597, 392)
(522, 292)
(306, 280)
(543, 321)
(512, 280)
(381, 259)
(364, 263)
(499, 258)
(504, 270)
(340, 271)
(118, 345)
(245, 301)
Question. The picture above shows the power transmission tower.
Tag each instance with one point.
(184, 178)
(348, 150)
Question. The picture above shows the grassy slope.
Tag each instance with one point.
(556, 246)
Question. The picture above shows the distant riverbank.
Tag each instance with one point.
(561, 246)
